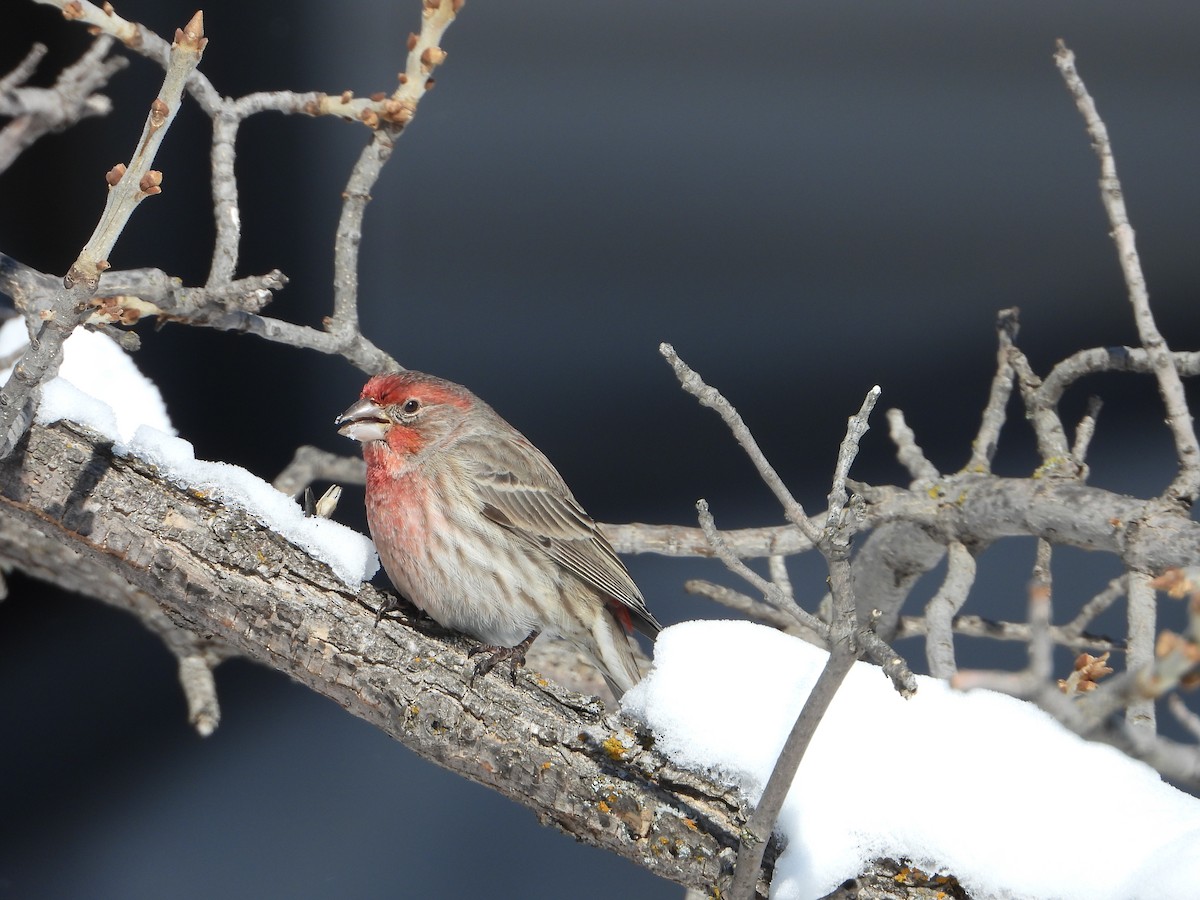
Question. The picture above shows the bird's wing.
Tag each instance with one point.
(523, 492)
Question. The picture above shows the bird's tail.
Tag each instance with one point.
(614, 653)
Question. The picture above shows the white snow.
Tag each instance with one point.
(100, 386)
(977, 784)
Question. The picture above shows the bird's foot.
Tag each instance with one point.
(399, 609)
(406, 612)
(496, 655)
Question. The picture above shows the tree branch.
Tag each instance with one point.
(80, 517)
(1186, 485)
(128, 186)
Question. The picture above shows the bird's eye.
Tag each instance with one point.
(411, 405)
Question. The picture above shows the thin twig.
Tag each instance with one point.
(1047, 424)
(1143, 619)
(979, 627)
(944, 606)
(762, 821)
(1184, 716)
(908, 451)
(712, 398)
(1112, 592)
(1108, 359)
(424, 56)
(983, 448)
(777, 567)
(753, 609)
(37, 111)
(129, 185)
(856, 427)
(1186, 484)
(311, 464)
(19, 75)
(846, 639)
(769, 590)
(1041, 599)
(1084, 432)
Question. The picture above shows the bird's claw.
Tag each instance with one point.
(406, 612)
(515, 656)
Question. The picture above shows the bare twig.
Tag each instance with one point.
(983, 448)
(1084, 433)
(129, 185)
(1143, 618)
(845, 642)
(1184, 716)
(712, 398)
(944, 606)
(762, 821)
(1041, 599)
(777, 567)
(1112, 592)
(387, 116)
(755, 609)
(1047, 424)
(1108, 359)
(139, 39)
(1033, 679)
(19, 75)
(312, 464)
(908, 451)
(770, 590)
(856, 428)
(424, 56)
(38, 111)
(979, 627)
(1186, 485)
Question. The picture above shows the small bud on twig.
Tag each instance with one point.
(149, 185)
(158, 113)
(431, 58)
(191, 36)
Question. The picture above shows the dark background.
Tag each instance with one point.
(806, 199)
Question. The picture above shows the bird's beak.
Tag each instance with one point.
(364, 421)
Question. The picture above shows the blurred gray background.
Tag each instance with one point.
(805, 198)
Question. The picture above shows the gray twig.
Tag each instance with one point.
(775, 596)
(908, 451)
(1143, 618)
(983, 448)
(1108, 359)
(1179, 418)
(944, 606)
(312, 464)
(1084, 432)
(979, 627)
(37, 111)
(129, 185)
(712, 398)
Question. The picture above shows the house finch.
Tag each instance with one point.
(477, 528)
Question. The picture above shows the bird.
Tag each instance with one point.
(476, 528)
